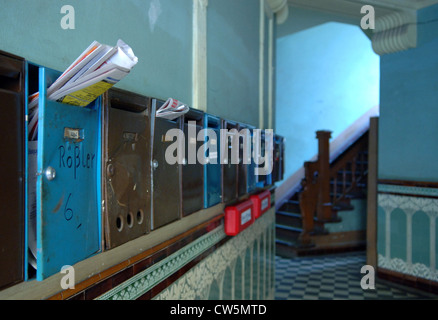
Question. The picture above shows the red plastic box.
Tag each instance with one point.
(262, 203)
(239, 217)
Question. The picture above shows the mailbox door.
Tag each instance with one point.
(192, 174)
(262, 179)
(68, 184)
(127, 176)
(229, 170)
(12, 169)
(276, 169)
(213, 169)
(251, 178)
(244, 144)
(166, 177)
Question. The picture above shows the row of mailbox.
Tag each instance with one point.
(101, 176)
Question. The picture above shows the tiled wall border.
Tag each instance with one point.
(410, 199)
(141, 285)
(408, 190)
(136, 286)
(120, 273)
(197, 282)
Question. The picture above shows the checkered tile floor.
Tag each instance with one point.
(333, 277)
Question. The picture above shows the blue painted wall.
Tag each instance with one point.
(408, 140)
(408, 131)
(32, 29)
(233, 59)
(160, 33)
(327, 77)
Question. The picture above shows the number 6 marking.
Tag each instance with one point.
(68, 212)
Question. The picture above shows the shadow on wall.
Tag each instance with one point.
(327, 77)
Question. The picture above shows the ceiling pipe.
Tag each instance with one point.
(280, 8)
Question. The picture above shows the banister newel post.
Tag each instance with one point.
(324, 209)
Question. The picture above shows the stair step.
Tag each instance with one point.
(291, 249)
(289, 214)
(291, 206)
(287, 233)
(286, 243)
(289, 219)
(288, 228)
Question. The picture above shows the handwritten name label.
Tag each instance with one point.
(72, 157)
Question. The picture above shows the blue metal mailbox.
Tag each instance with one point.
(251, 178)
(68, 215)
(213, 168)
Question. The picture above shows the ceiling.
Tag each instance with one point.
(352, 8)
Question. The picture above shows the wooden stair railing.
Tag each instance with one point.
(327, 185)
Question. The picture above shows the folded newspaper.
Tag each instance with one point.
(172, 109)
(95, 71)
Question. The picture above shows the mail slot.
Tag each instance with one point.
(65, 226)
(230, 154)
(213, 169)
(12, 169)
(166, 175)
(262, 203)
(193, 168)
(239, 217)
(126, 155)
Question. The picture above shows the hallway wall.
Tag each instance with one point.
(161, 34)
(407, 239)
(327, 77)
(408, 107)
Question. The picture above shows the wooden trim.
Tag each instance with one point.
(128, 263)
(337, 146)
(103, 261)
(426, 286)
(372, 193)
(406, 183)
(408, 195)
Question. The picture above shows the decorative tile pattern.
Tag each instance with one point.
(421, 191)
(407, 203)
(257, 242)
(333, 277)
(146, 280)
(417, 269)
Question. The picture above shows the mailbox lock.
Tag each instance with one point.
(50, 173)
(155, 164)
(110, 170)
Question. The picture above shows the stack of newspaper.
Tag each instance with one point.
(96, 70)
(172, 109)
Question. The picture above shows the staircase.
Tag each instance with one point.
(328, 187)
